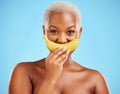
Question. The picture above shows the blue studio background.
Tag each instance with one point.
(21, 37)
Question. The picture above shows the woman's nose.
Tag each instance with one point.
(62, 39)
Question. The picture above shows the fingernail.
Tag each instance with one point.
(68, 51)
(60, 47)
(64, 48)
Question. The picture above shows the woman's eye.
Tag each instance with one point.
(54, 31)
(70, 32)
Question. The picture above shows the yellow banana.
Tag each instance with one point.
(71, 46)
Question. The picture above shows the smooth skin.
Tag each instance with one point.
(57, 73)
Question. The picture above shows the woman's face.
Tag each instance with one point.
(62, 28)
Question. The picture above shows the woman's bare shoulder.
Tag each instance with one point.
(91, 72)
(21, 77)
(96, 79)
(94, 73)
(26, 66)
(95, 76)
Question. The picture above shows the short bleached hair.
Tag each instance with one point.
(62, 7)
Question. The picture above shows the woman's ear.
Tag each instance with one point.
(80, 31)
(43, 27)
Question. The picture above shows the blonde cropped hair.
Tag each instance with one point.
(62, 7)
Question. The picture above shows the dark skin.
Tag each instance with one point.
(57, 73)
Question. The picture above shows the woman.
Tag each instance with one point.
(58, 73)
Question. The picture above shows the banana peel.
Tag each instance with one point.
(71, 46)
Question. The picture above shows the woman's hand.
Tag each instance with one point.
(54, 63)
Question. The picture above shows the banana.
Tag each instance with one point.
(71, 46)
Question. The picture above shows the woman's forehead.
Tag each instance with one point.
(62, 16)
(62, 19)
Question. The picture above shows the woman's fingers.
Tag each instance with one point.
(51, 57)
(60, 55)
(54, 63)
(62, 58)
(66, 57)
(54, 52)
(57, 53)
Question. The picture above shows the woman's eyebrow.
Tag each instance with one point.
(53, 26)
(73, 26)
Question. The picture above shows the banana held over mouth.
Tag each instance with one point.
(71, 46)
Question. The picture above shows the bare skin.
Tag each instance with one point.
(57, 73)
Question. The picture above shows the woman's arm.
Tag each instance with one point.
(20, 81)
(54, 66)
